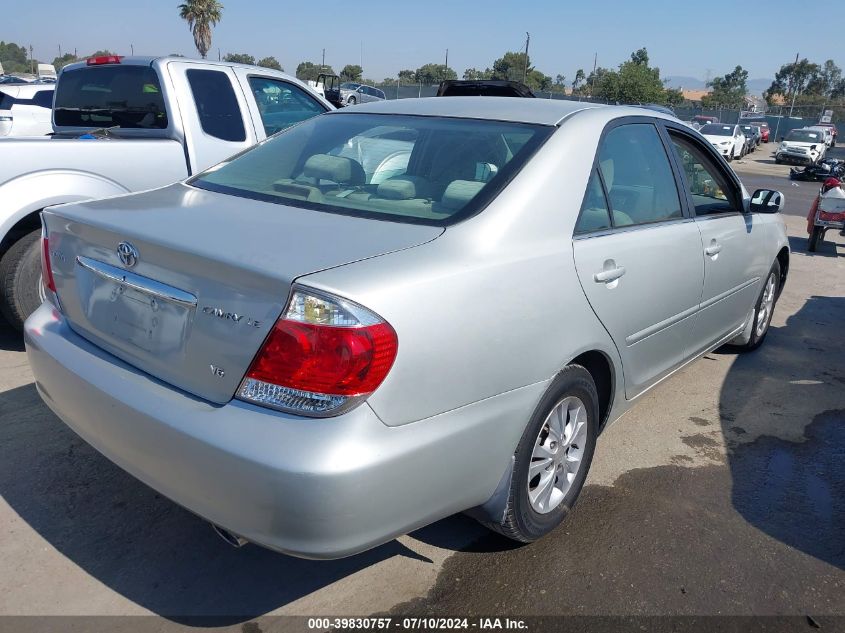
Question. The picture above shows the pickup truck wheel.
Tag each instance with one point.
(815, 238)
(20, 279)
(553, 457)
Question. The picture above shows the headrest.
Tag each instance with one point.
(459, 192)
(403, 188)
(337, 168)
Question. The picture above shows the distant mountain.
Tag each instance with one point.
(688, 83)
(755, 86)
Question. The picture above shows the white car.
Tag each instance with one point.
(26, 109)
(727, 138)
(804, 147)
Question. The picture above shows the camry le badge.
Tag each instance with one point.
(128, 254)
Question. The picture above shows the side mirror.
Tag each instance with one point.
(766, 201)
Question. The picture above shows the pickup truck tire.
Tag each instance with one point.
(20, 279)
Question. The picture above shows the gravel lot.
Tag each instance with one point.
(723, 492)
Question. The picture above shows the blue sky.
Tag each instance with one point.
(400, 34)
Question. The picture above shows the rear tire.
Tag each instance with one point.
(763, 310)
(573, 395)
(815, 238)
(20, 279)
(351, 101)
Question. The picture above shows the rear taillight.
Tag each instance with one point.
(46, 267)
(323, 356)
(103, 59)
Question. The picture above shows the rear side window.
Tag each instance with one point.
(217, 107)
(6, 101)
(282, 104)
(43, 98)
(595, 214)
(637, 176)
(110, 96)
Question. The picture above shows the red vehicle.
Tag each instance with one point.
(702, 119)
(832, 129)
(759, 122)
(827, 212)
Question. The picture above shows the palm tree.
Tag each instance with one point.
(201, 15)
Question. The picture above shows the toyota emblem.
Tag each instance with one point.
(128, 254)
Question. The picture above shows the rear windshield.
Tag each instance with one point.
(804, 136)
(426, 170)
(110, 96)
(714, 129)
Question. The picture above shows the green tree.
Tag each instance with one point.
(310, 70)
(64, 60)
(579, 80)
(634, 82)
(828, 79)
(728, 91)
(430, 74)
(15, 58)
(239, 58)
(270, 62)
(511, 66)
(792, 79)
(674, 97)
(201, 16)
(351, 72)
(406, 76)
(103, 53)
(473, 74)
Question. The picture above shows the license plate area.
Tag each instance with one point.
(135, 310)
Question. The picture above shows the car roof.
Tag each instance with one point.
(538, 111)
(25, 90)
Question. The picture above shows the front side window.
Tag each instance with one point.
(282, 104)
(637, 176)
(403, 168)
(114, 95)
(217, 107)
(709, 187)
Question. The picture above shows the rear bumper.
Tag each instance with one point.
(317, 488)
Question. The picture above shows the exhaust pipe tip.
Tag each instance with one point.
(232, 539)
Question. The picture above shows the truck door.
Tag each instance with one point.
(214, 113)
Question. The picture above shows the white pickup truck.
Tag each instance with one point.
(125, 124)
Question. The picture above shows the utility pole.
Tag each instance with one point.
(794, 86)
(323, 63)
(132, 49)
(361, 60)
(60, 50)
(218, 54)
(525, 68)
(447, 58)
(31, 61)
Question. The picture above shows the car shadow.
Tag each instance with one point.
(790, 482)
(826, 248)
(10, 339)
(146, 547)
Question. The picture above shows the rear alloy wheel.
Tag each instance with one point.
(553, 457)
(815, 238)
(21, 290)
(763, 310)
(352, 101)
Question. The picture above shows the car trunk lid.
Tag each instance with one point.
(185, 284)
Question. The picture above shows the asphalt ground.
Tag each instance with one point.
(721, 494)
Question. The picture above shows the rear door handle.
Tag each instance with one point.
(714, 249)
(609, 274)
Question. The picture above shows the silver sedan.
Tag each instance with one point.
(386, 315)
